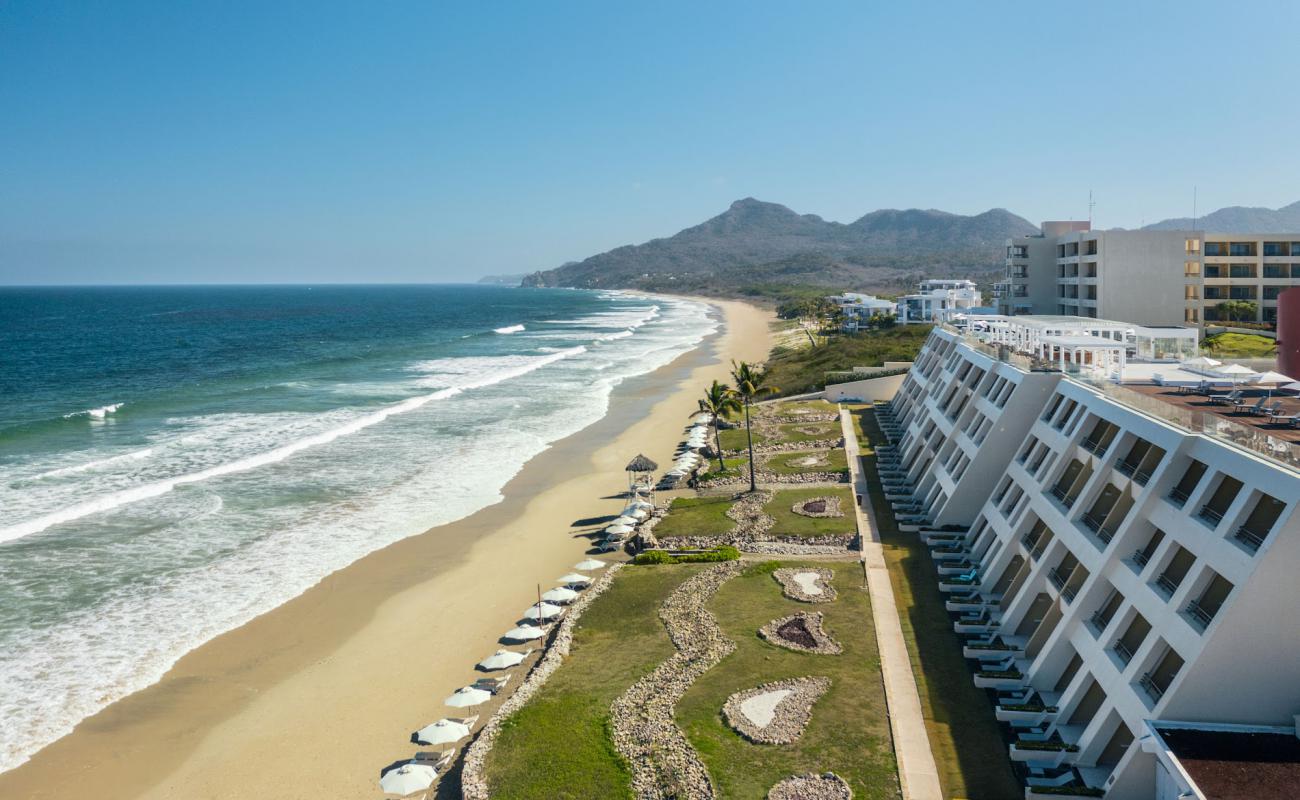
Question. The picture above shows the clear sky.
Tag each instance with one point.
(429, 141)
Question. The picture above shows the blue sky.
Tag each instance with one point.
(392, 141)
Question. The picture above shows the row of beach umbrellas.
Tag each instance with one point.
(418, 777)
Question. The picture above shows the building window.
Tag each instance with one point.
(1190, 292)
(1241, 292)
(1276, 248)
(1241, 248)
(1193, 246)
(1190, 315)
(1214, 293)
(1295, 248)
(1090, 269)
(1216, 248)
(1191, 269)
(1271, 292)
(1215, 271)
(1090, 247)
(1060, 251)
(1295, 271)
(1276, 270)
(1241, 270)
(1270, 314)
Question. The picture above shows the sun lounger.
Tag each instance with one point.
(439, 761)
(1224, 399)
(1268, 411)
(492, 685)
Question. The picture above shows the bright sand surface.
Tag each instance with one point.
(314, 698)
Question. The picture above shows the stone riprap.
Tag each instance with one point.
(827, 786)
(786, 447)
(801, 631)
(777, 712)
(806, 585)
(752, 533)
(827, 507)
(472, 780)
(772, 477)
(663, 763)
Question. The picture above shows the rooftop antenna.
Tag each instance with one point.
(1193, 208)
(1091, 206)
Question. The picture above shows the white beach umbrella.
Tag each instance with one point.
(626, 519)
(590, 564)
(524, 633)
(1235, 369)
(543, 610)
(408, 779)
(560, 595)
(502, 659)
(619, 529)
(444, 731)
(1271, 377)
(468, 696)
(675, 473)
(639, 503)
(637, 512)
(574, 579)
(1290, 387)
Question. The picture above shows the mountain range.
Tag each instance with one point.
(755, 247)
(1237, 219)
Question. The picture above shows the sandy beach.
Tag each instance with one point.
(314, 698)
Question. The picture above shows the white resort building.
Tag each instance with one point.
(939, 300)
(860, 308)
(1147, 277)
(1122, 565)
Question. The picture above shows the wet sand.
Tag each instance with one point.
(314, 698)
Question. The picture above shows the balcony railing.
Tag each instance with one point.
(1249, 538)
(1142, 476)
(1094, 446)
(1126, 468)
(1099, 621)
(1057, 578)
(1029, 540)
(1093, 521)
(1178, 496)
(1210, 515)
(1166, 584)
(1198, 615)
(1120, 649)
(1153, 689)
(1059, 492)
(1141, 557)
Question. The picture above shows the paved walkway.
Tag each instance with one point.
(917, 772)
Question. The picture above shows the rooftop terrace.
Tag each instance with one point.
(1236, 763)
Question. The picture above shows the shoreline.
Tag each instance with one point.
(321, 692)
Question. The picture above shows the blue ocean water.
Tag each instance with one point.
(175, 461)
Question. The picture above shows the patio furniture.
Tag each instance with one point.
(492, 685)
(439, 761)
(1223, 399)
(1267, 411)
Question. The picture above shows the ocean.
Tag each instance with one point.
(175, 461)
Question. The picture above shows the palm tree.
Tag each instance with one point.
(749, 387)
(719, 399)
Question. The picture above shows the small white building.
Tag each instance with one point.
(938, 300)
(859, 308)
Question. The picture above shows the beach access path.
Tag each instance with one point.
(917, 772)
(314, 698)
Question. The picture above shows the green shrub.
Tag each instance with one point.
(716, 554)
(654, 557)
(763, 568)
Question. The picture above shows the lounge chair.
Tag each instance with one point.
(1224, 399)
(1267, 411)
(492, 685)
(1241, 406)
(439, 761)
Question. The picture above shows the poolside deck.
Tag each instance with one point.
(1200, 404)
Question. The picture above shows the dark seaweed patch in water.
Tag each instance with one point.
(796, 632)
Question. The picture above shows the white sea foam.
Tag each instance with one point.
(96, 465)
(135, 494)
(509, 329)
(96, 413)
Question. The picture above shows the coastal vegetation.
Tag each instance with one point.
(789, 523)
(802, 371)
(559, 745)
(751, 384)
(718, 401)
(1239, 345)
(696, 516)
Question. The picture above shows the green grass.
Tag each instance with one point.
(1239, 345)
(734, 438)
(828, 430)
(786, 463)
(696, 516)
(964, 736)
(849, 729)
(796, 372)
(856, 412)
(557, 746)
(734, 467)
(789, 523)
(810, 406)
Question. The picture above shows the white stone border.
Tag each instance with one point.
(473, 782)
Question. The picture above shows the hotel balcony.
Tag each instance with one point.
(994, 647)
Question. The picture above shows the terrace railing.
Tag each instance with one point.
(1199, 616)
(1249, 538)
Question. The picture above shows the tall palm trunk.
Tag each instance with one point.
(749, 435)
(717, 444)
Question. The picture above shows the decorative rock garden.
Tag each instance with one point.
(774, 713)
(819, 507)
(806, 585)
(827, 786)
(802, 632)
(663, 763)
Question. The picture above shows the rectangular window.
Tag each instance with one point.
(1214, 271)
(1191, 292)
(1190, 315)
(1241, 270)
(1276, 248)
(1241, 248)
(1271, 292)
(1191, 269)
(1241, 292)
(1214, 293)
(1193, 246)
(1295, 248)
(1090, 247)
(1216, 248)
(1276, 270)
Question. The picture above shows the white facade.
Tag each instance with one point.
(1146, 277)
(938, 300)
(859, 308)
(1106, 566)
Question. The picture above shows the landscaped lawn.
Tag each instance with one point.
(789, 523)
(964, 736)
(856, 412)
(849, 729)
(735, 439)
(696, 516)
(822, 430)
(788, 463)
(1239, 345)
(794, 408)
(734, 467)
(557, 746)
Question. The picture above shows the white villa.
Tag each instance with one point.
(858, 308)
(939, 300)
